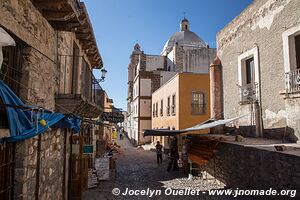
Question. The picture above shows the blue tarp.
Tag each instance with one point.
(25, 123)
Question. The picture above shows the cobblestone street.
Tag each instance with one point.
(137, 170)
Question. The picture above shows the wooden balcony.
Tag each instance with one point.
(292, 81)
(78, 92)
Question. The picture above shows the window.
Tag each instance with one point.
(291, 55)
(249, 64)
(168, 106)
(173, 105)
(153, 110)
(161, 107)
(248, 67)
(11, 72)
(156, 111)
(198, 103)
(297, 48)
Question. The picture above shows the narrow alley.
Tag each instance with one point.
(137, 170)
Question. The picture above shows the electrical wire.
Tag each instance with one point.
(21, 84)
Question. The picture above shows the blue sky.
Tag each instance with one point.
(119, 24)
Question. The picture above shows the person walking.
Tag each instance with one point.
(173, 156)
(159, 152)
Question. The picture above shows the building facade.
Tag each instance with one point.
(259, 51)
(49, 67)
(183, 52)
(178, 104)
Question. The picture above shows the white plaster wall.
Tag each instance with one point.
(170, 60)
(145, 124)
(135, 129)
(145, 87)
(145, 107)
(136, 88)
(198, 60)
(263, 25)
(166, 76)
(135, 107)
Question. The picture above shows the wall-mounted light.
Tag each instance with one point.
(103, 75)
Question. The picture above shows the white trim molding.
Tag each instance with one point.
(289, 52)
(241, 65)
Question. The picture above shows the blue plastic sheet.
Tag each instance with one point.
(27, 123)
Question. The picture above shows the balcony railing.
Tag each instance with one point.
(292, 81)
(76, 81)
(248, 93)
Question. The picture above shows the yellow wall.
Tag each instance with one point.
(188, 83)
(182, 85)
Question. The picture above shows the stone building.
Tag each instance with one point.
(51, 67)
(260, 53)
(183, 52)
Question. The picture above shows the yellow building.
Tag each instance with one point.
(180, 103)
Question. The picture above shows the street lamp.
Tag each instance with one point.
(103, 73)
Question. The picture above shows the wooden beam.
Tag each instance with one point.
(58, 15)
(48, 4)
(87, 36)
(64, 26)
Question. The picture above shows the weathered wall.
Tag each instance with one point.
(27, 23)
(40, 75)
(244, 167)
(198, 60)
(154, 62)
(260, 25)
(53, 154)
(52, 160)
(39, 84)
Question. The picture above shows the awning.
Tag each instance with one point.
(204, 125)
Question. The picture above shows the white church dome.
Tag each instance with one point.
(184, 37)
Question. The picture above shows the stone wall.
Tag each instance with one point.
(179, 53)
(22, 19)
(241, 167)
(52, 159)
(40, 75)
(45, 168)
(42, 161)
(260, 26)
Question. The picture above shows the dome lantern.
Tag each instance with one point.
(184, 25)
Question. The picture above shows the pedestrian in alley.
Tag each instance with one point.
(121, 136)
(173, 156)
(114, 136)
(159, 152)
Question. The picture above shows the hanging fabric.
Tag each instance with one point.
(24, 124)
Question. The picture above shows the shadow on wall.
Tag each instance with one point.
(286, 134)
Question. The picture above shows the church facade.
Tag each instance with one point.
(185, 52)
